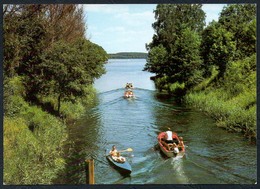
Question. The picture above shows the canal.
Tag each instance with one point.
(213, 155)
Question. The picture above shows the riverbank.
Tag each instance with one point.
(231, 101)
(230, 114)
(34, 139)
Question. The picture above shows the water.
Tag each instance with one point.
(213, 155)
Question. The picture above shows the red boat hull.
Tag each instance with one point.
(169, 153)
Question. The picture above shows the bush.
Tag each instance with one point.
(177, 89)
(14, 92)
(240, 76)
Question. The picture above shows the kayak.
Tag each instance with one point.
(170, 153)
(122, 167)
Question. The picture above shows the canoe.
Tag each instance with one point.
(169, 153)
(122, 167)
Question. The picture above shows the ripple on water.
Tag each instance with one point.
(213, 156)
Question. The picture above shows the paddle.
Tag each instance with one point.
(127, 150)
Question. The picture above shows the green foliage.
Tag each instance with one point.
(241, 76)
(74, 110)
(177, 89)
(162, 83)
(37, 153)
(157, 60)
(217, 48)
(231, 114)
(47, 62)
(186, 59)
(233, 103)
(205, 83)
(68, 68)
(240, 20)
(14, 91)
(171, 19)
(174, 51)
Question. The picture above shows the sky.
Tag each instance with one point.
(127, 27)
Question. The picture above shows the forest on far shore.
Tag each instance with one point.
(128, 55)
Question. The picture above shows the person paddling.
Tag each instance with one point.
(116, 155)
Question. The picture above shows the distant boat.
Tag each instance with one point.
(129, 86)
(129, 93)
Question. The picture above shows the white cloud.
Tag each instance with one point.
(125, 27)
(120, 27)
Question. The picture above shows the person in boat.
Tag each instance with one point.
(116, 155)
(126, 93)
(131, 93)
(169, 139)
(175, 148)
(129, 86)
(181, 144)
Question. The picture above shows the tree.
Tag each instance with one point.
(64, 22)
(68, 69)
(23, 38)
(177, 39)
(237, 19)
(217, 48)
(171, 19)
(186, 58)
(46, 45)
(156, 61)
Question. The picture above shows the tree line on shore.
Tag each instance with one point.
(128, 55)
(49, 67)
(211, 67)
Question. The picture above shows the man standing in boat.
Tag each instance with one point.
(170, 139)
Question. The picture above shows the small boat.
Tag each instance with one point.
(124, 167)
(129, 86)
(129, 94)
(169, 153)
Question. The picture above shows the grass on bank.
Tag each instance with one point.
(231, 101)
(34, 139)
(33, 157)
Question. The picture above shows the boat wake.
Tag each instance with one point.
(177, 166)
